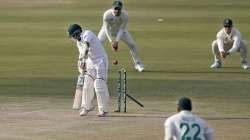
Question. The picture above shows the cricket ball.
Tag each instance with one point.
(115, 62)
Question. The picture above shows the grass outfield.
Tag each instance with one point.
(38, 69)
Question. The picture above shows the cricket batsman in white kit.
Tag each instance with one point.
(115, 25)
(185, 125)
(94, 63)
(228, 42)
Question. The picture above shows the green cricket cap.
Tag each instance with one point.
(117, 4)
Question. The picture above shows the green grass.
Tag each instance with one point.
(38, 61)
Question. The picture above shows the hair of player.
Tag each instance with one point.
(185, 103)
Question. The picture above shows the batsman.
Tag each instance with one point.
(93, 66)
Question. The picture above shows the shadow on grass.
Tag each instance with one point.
(212, 71)
(165, 117)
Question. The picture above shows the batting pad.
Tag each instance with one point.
(102, 94)
(88, 92)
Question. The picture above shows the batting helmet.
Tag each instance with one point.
(227, 22)
(73, 29)
(185, 103)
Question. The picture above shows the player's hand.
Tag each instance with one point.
(223, 55)
(82, 65)
(114, 46)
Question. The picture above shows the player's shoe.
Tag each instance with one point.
(102, 114)
(216, 65)
(139, 67)
(245, 66)
(84, 111)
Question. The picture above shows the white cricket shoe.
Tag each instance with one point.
(245, 66)
(139, 67)
(215, 65)
(84, 111)
(102, 114)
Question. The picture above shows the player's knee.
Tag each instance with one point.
(243, 46)
(88, 81)
(132, 45)
(244, 43)
(100, 84)
(215, 48)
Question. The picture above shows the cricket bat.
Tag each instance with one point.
(77, 99)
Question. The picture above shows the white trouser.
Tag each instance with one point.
(128, 40)
(96, 71)
(242, 49)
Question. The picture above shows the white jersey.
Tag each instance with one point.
(187, 126)
(95, 49)
(114, 25)
(233, 38)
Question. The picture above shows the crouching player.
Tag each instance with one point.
(228, 42)
(93, 61)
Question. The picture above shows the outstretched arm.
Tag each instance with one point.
(122, 28)
(84, 55)
(236, 45)
(107, 29)
(220, 43)
(120, 32)
(220, 38)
